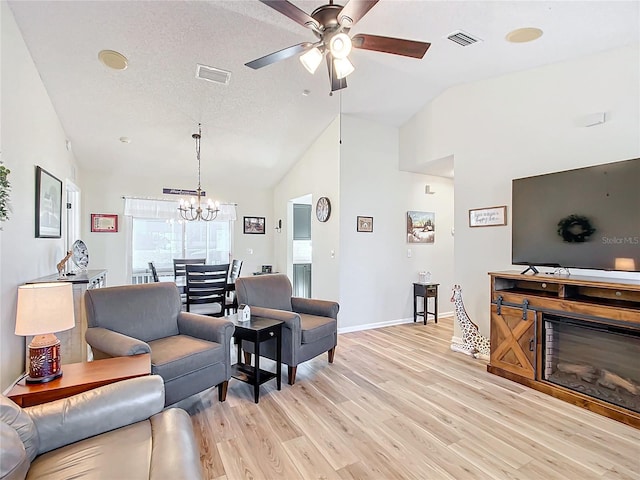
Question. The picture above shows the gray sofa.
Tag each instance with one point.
(113, 432)
(310, 326)
(190, 352)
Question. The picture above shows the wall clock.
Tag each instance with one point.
(323, 209)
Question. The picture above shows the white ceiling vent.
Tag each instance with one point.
(213, 74)
(463, 38)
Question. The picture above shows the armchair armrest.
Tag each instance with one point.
(97, 411)
(114, 343)
(321, 308)
(213, 329)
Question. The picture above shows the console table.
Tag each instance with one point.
(73, 347)
(426, 291)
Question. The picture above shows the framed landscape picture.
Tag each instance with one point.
(48, 205)
(254, 225)
(421, 227)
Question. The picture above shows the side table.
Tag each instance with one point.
(257, 330)
(80, 377)
(426, 291)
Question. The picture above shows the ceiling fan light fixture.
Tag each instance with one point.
(343, 67)
(340, 45)
(311, 59)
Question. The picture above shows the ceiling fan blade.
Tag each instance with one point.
(354, 10)
(336, 83)
(396, 46)
(279, 55)
(288, 9)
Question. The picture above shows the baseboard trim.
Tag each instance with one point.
(390, 323)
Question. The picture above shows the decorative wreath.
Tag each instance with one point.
(575, 229)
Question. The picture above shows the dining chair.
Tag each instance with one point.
(154, 272)
(206, 289)
(234, 273)
(179, 272)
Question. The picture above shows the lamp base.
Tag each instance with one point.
(44, 359)
(48, 378)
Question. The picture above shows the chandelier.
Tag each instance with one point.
(193, 210)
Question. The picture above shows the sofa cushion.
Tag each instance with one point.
(122, 453)
(146, 312)
(314, 327)
(14, 463)
(268, 291)
(16, 418)
(172, 356)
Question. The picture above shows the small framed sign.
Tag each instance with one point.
(488, 217)
(104, 222)
(365, 224)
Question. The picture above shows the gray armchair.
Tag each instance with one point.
(115, 431)
(190, 352)
(310, 326)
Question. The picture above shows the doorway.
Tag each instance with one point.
(301, 246)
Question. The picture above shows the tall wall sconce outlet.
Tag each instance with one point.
(279, 226)
(427, 190)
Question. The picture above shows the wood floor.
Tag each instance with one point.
(397, 403)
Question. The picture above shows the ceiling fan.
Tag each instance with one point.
(331, 24)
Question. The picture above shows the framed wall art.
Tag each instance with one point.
(365, 224)
(421, 227)
(104, 222)
(254, 225)
(488, 217)
(48, 205)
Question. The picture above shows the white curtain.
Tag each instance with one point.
(168, 209)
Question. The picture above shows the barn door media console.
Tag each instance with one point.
(573, 337)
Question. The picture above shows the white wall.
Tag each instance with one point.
(102, 193)
(316, 173)
(376, 274)
(31, 135)
(519, 125)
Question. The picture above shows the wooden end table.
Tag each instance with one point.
(80, 377)
(257, 330)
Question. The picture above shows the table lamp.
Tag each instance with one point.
(43, 309)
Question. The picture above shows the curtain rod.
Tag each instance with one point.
(169, 200)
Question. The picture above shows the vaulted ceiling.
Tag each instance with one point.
(259, 124)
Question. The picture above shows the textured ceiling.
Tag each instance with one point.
(258, 126)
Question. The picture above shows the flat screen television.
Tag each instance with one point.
(583, 218)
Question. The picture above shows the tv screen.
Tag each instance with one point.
(583, 218)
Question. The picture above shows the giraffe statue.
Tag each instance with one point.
(473, 343)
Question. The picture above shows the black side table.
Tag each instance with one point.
(426, 291)
(257, 330)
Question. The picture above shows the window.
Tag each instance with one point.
(160, 241)
(158, 236)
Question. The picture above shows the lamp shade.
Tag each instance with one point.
(44, 308)
(312, 59)
(343, 67)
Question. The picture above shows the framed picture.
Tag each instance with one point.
(488, 217)
(254, 225)
(104, 222)
(365, 224)
(421, 227)
(48, 205)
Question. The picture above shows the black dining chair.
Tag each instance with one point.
(206, 289)
(234, 273)
(179, 272)
(154, 272)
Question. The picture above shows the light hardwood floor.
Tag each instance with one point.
(397, 403)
